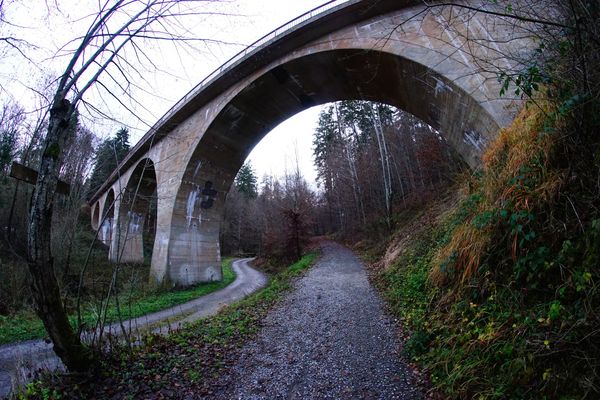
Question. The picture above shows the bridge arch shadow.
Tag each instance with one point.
(96, 216)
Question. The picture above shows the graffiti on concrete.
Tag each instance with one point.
(106, 231)
(474, 139)
(191, 204)
(136, 222)
(208, 195)
(440, 86)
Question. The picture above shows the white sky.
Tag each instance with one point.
(289, 141)
(246, 21)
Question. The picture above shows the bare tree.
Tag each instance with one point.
(411, 159)
(100, 60)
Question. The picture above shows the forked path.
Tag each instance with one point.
(329, 339)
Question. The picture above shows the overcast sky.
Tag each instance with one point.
(292, 139)
(244, 22)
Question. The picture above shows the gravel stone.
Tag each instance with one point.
(329, 339)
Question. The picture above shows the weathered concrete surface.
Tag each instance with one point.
(390, 51)
(19, 360)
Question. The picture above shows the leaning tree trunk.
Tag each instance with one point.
(46, 293)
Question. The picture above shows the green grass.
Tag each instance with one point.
(189, 358)
(25, 325)
(242, 317)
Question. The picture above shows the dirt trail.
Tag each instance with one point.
(18, 360)
(329, 339)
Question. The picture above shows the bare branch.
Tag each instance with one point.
(500, 14)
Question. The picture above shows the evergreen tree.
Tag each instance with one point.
(368, 156)
(246, 181)
(357, 118)
(8, 144)
(121, 143)
(12, 118)
(108, 156)
(325, 142)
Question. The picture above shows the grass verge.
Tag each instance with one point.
(184, 363)
(25, 325)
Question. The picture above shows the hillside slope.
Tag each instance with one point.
(500, 289)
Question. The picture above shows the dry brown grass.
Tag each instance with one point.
(516, 176)
(466, 249)
(433, 214)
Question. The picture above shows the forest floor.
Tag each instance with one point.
(19, 361)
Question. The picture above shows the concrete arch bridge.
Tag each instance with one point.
(436, 62)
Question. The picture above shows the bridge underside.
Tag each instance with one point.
(194, 166)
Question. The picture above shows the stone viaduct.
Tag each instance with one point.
(435, 62)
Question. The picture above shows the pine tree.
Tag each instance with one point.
(8, 142)
(108, 156)
(246, 181)
(11, 122)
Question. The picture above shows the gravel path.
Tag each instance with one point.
(329, 339)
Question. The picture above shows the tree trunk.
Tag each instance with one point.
(45, 289)
(385, 164)
(11, 213)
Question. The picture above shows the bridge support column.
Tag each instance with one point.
(194, 253)
(159, 272)
(127, 245)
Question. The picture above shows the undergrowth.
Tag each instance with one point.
(502, 298)
(25, 325)
(184, 364)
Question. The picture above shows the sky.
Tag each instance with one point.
(50, 32)
(290, 141)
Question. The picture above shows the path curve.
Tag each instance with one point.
(329, 339)
(18, 360)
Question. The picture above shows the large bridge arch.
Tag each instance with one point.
(353, 52)
(285, 90)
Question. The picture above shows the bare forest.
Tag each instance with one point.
(373, 162)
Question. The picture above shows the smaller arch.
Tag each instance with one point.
(137, 214)
(95, 215)
(141, 185)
